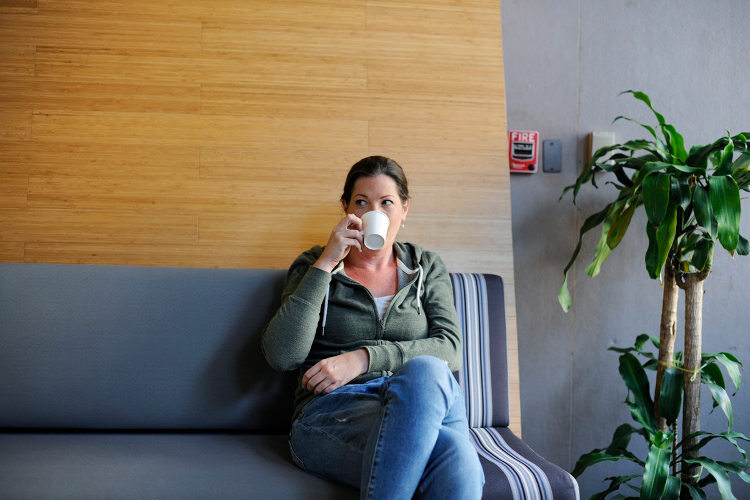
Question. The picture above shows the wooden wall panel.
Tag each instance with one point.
(218, 134)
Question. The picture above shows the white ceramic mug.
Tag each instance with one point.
(375, 229)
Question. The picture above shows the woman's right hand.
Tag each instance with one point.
(345, 235)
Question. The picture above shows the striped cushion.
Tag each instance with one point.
(512, 469)
(479, 301)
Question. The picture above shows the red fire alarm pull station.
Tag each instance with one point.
(522, 149)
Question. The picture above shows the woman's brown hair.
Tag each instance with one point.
(372, 166)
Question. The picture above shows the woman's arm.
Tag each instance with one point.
(287, 338)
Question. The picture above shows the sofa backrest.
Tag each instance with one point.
(121, 347)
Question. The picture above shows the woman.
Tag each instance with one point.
(375, 336)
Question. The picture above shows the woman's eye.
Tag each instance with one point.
(360, 203)
(387, 202)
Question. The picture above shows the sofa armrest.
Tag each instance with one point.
(513, 470)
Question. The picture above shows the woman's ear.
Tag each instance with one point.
(344, 206)
(406, 206)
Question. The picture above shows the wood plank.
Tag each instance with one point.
(290, 69)
(281, 165)
(15, 123)
(136, 162)
(19, 3)
(48, 95)
(243, 194)
(276, 199)
(326, 41)
(11, 251)
(94, 226)
(13, 191)
(301, 231)
(263, 12)
(436, 18)
(367, 105)
(209, 256)
(16, 59)
(71, 29)
(479, 137)
(450, 80)
(189, 129)
(107, 64)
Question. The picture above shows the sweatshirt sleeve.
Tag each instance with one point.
(287, 338)
(444, 336)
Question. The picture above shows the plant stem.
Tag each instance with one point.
(667, 334)
(691, 416)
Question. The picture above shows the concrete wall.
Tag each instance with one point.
(565, 63)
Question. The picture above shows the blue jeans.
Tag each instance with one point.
(394, 437)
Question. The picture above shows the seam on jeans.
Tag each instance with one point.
(295, 458)
(375, 453)
(309, 428)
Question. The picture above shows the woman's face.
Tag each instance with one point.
(379, 193)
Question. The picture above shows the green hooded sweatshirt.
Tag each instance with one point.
(326, 314)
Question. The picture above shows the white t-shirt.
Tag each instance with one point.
(382, 303)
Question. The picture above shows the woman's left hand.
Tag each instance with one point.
(331, 373)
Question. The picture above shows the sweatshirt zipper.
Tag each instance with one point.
(381, 322)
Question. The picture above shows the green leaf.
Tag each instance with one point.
(712, 373)
(642, 96)
(602, 250)
(656, 470)
(620, 222)
(656, 196)
(670, 397)
(648, 169)
(672, 489)
(614, 485)
(591, 222)
(728, 436)
(725, 163)
(704, 213)
(703, 254)
(686, 169)
(695, 492)
(722, 478)
(621, 438)
(597, 456)
(741, 163)
(720, 396)
(640, 341)
(725, 201)
(635, 379)
(680, 191)
(699, 155)
(647, 127)
(743, 246)
(677, 143)
(652, 253)
(563, 296)
(665, 235)
(730, 362)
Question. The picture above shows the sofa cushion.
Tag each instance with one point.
(120, 347)
(162, 465)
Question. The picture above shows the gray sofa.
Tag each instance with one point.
(147, 382)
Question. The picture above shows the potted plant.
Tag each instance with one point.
(691, 198)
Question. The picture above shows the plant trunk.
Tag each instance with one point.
(691, 416)
(667, 334)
